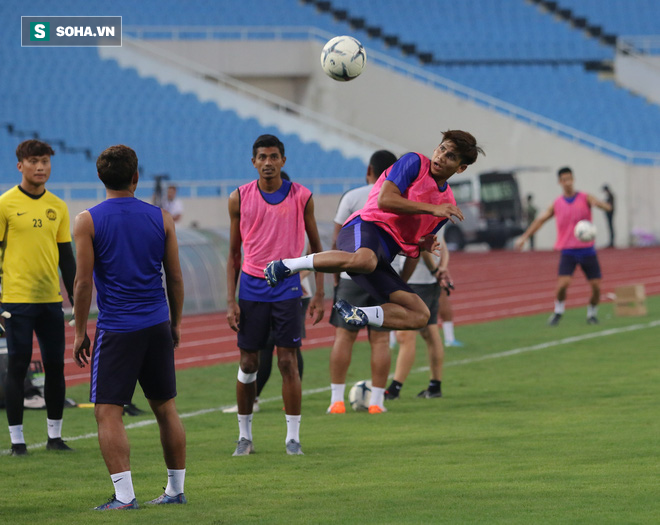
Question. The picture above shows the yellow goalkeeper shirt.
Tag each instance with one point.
(30, 229)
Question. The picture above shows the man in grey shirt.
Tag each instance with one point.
(345, 288)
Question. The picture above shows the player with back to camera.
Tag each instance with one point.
(406, 207)
(568, 209)
(260, 212)
(346, 289)
(35, 234)
(121, 245)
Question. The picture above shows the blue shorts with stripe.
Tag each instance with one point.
(121, 359)
(384, 280)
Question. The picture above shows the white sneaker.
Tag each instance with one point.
(234, 409)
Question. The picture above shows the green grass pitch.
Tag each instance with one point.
(538, 425)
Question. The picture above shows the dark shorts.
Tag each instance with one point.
(259, 319)
(588, 263)
(44, 319)
(430, 294)
(121, 359)
(354, 294)
(384, 280)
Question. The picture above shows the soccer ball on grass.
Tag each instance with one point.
(343, 58)
(359, 396)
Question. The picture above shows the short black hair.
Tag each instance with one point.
(466, 145)
(33, 148)
(563, 170)
(381, 160)
(267, 141)
(116, 167)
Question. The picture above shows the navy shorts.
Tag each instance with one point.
(44, 319)
(384, 280)
(280, 319)
(349, 291)
(588, 263)
(430, 294)
(121, 359)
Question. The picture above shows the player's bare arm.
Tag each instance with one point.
(316, 309)
(335, 234)
(234, 260)
(390, 198)
(173, 277)
(535, 226)
(593, 201)
(409, 267)
(83, 234)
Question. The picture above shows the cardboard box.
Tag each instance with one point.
(630, 301)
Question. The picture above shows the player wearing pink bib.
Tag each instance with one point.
(407, 206)
(568, 209)
(269, 216)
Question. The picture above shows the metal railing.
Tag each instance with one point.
(186, 188)
(354, 135)
(415, 72)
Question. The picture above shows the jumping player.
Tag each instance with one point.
(269, 216)
(407, 206)
(568, 209)
(121, 245)
(35, 235)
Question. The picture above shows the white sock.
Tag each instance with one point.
(245, 427)
(592, 310)
(377, 396)
(16, 434)
(292, 428)
(54, 428)
(123, 483)
(175, 480)
(448, 331)
(393, 341)
(559, 307)
(337, 392)
(298, 264)
(374, 314)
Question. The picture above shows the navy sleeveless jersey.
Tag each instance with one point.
(129, 245)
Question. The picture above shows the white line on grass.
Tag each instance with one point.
(460, 362)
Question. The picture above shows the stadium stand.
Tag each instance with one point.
(509, 49)
(635, 17)
(516, 52)
(73, 96)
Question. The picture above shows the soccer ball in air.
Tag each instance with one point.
(359, 396)
(585, 231)
(343, 58)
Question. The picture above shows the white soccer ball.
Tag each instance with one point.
(343, 58)
(359, 396)
(585, 231)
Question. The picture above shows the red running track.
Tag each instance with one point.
(489, 286)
